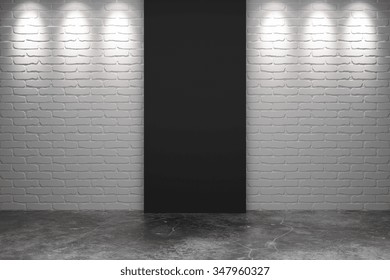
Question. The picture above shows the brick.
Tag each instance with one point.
(104, 198)
(25, 91)
(13, 206)
(317, 108)
(25, 198)
(39, 206)
(377, 206)
(65, 206)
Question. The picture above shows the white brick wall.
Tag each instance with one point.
(318, 104)
(71, 104)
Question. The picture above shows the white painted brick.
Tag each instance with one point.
(13, 206)
(65, 206)
(25, 198)
(341, 81)
(317, 108)
(377, 206)
(59, 103)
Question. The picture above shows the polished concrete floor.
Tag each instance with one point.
(255, 235)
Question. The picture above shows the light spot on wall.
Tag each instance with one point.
(274, 24)
(360, 24)
(120, 39)
(75, 27)
(27, 29)
(28, 39)
(321, 29)
(117, 28)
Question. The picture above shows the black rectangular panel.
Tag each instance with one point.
(195, 69)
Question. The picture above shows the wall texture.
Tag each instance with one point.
(71, 104)
(318, 104)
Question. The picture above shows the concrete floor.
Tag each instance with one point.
(255, 235)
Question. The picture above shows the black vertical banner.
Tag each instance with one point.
(195, 69)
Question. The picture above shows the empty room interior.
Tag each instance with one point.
(195, 129)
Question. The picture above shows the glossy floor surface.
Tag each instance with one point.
(255, 235)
